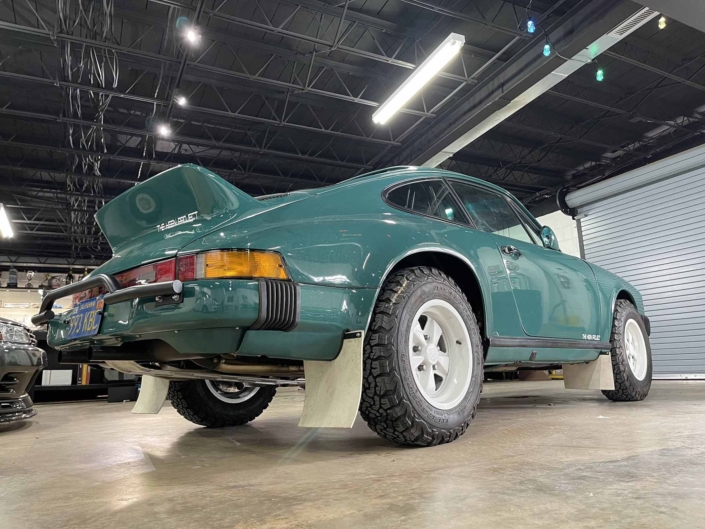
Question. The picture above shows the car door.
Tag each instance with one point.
(433, 198)
(556, 294)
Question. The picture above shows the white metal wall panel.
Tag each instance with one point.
(654, 237)
(682, 163)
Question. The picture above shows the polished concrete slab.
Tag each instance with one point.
(536, 456)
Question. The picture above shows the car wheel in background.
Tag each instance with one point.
(218, 404)
(423, 360)
(631, 355)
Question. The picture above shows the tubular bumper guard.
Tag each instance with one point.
(115, 294)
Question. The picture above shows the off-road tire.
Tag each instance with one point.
(195, 402)
(626, 386)
(391, 403)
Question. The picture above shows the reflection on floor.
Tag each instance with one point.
(536, 456)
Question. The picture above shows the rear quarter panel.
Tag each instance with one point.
(349, 237)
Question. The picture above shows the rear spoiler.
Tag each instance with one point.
(178, 201)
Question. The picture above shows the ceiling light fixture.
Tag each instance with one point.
(662, 22)
(435, 62)
(164, 131)
(5, 227)
(181, 101)
(531, 25)
(192, 35)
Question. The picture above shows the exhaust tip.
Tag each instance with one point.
(75, 357)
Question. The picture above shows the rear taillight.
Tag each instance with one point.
(151, 273)
(88, 294)
(223, 264)
(245, 264)
(216, 264)
(187, 268)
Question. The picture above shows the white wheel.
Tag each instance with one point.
(440, 354)
(630, 355)
(231, 392)
(635, 347)
(422, 321)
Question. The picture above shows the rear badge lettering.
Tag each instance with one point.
(184, 219)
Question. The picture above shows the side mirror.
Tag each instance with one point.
(549, 239)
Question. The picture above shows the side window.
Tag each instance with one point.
(491, 212)
(534, 232)
(429, 197)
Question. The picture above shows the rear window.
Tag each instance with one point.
(430, 197)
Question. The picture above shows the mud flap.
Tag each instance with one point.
(152, 395)
(593, 375)
(333, 389)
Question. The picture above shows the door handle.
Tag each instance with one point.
(511, 250)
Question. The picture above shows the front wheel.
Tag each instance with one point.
(423, 360)
(219, 404)
(631, 355)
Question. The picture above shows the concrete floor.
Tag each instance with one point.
(536, 456)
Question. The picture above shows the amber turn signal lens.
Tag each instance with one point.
(244, 264)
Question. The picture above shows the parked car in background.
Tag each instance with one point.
(20, 363)
(392, 292)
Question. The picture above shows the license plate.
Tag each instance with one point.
(85, 318)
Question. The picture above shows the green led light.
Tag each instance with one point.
(600, 74)
(547, 49)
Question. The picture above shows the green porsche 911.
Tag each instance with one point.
(390, 294)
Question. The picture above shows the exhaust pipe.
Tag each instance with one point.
(75, 357)
(260, 369)
(97, 356)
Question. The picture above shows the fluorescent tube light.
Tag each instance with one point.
(5, 228)
(441, 56)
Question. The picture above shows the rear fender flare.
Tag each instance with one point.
(431, 250)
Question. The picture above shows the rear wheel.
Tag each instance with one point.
(631, 355)
(422, 360)
(218, 404)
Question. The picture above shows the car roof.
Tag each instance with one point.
(392, 175)
(411, 172)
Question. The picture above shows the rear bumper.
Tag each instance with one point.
(213, 305)
(114, 293)
(247, 317)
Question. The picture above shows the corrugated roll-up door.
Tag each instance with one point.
(654, 237)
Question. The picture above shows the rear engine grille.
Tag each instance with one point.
(270, 197)
(279, 305)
